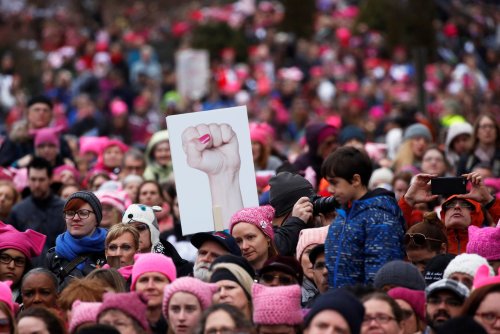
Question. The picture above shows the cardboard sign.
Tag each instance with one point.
(213, 167)
(193, 73)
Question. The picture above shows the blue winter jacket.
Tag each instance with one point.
(363, 238)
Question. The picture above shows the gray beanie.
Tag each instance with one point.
(90, 198)
(417, 130)
(400, 274)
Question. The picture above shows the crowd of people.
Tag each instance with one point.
(350, 236)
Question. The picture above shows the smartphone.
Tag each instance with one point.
(448, 185)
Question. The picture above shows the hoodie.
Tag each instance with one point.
(155, 171)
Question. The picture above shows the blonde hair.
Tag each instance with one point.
(404, 156)
(120, 229)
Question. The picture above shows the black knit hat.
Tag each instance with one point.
(40, 99)
(238, 260)
(343, 302)
(434, 269)
(286, 189)
(286, 264)
(90, 198)
(461, 325)
(400, 274)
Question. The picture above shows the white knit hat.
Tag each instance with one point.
(466, 264)
(144, 214)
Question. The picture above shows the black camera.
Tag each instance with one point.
(323, 204)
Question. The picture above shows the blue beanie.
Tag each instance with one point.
(417, 130)
(351, 132)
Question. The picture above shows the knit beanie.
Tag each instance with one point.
(457, 129)
(46, 136)
(416, 299)
(380, 176)
(152, 262)
(466, 264)
(144, 214)
(201, 290)
(29, 242)
(277, 305)
(308, 237)
(286, 189)
(400, 274)
(98, 329)
(351, 132)
(83, 313)
(116, 199)
(484, 277)
(417, 130)
(238, 260)
(461, 325)
(261, 217)
(234, 273)
(484, 241)
(343, 302)
(434, 269)
(285, 264)
(91, 199)
(6, 295)
(133, 304)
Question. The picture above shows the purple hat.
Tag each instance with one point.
(133, 304)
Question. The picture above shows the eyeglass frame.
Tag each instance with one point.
(489, 322)
(367, 319)
(11, 258)
(412, 238)
(447, 205)
(86, 213)
(279, 277)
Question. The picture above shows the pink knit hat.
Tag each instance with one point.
(116, 199)
(6, 295)
(133, 304)
(67, 168)
(310, 236)
(261, 217)
(277, 305)
(201, 290)
(46, 136)
(261, 132)
(416, 299)
(29, 242)
(152, 262)
(83, 313)
(484, 241)
(483, 277)
(91, 144)
(118, 107)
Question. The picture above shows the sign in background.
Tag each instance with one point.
(192, 72)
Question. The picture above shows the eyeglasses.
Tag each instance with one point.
(7, 259)
(461, 203)
(68, 214)
(407, 313)
(488, 317)
(454, 302)
(380, 318)
(418, 238)
(486, 126)
(283, 280)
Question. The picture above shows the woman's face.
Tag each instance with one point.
(113, 157)
(433, 163)
(219, 322)
(12, 265)
(418, 146)
(122, 322)
(151, 284)
(256, 150)
(29, 325)
(400, 188)
(47, 151)
(80, 227)
(149, 195)
(132, 188)
(488, 314)
(486, 131)
(461, 144)
(306, 264)
(7, 197)
(68, 191)
(5, 325)
(144, 237)
(379, 308)
(123, 247)
(231, 293)
(410, 320)
(253, 243)
(184, 311)
(161, 153)
(110, 216)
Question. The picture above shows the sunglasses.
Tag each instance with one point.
(418, 239)
(283, 280)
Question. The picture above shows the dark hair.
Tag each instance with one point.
(53, 322)
(395, 308)
(10, 317)
(242, 324)
(135, 154)
(109, 277)
(346, 161)
(431, 227)
(40, 163)
(160, 192)
(40, 99)
(477, 296)
(42, 271)
(405, 176)
(27, 267)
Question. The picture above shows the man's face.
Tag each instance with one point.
(207, 253)
(320, 273)
(457, 213)
(39, 116)
(132, 166)
(441, 306)
(39, 183)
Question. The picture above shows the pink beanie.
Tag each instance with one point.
(261, 132)
(6, 295)
(483, 278)
(83, 313)
(261, 217)
(118, 107)
(29, 242)
(416, 299)
(114, 142)
(92, 144)
(276, 305)
(484, 241)
(152, 262)
(47, 136)
(63, 168)
(133, 304)
(201, 290)
(116, 199)
(310, 236)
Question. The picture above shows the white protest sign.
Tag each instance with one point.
(192, 72)
(213, 167)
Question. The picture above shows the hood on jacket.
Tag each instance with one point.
(455, 130)
(313, 132)
(158, 137)
(476, 216)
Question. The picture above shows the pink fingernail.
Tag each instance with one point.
(204, 139)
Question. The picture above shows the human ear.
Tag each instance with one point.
(356, 180)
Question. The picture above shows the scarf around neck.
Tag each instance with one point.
(69, 247)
